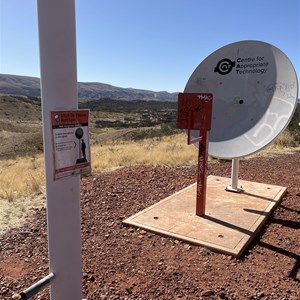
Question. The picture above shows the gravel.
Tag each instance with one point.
(120, 262)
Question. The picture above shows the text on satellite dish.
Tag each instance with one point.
(248, 65)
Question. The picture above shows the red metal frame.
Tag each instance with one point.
(194, 113)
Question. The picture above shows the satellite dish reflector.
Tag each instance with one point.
(255, 89)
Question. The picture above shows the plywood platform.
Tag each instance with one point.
(231, 219)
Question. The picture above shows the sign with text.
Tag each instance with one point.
(71, 143)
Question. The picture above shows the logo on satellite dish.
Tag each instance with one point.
(224, 66)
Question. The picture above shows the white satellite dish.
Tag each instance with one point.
(255, 89)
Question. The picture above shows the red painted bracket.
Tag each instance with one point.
(194, 113)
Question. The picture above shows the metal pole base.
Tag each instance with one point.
(238, 189)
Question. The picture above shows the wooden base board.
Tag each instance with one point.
(231, 219)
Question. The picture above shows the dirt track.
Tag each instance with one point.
(126, 263)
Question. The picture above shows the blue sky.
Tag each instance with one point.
(149, 44)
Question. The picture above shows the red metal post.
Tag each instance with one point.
(195, 113)
(201, 175)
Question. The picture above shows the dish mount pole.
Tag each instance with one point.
(234, 177)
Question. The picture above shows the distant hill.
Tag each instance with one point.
(30, 86)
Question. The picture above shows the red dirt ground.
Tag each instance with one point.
(128, 263)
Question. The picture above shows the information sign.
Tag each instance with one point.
(71, 143)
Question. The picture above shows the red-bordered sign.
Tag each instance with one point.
(71, 142)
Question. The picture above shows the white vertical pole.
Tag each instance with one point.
(57, 41)
(235, 173)
(234, 176)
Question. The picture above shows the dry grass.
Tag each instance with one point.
(24, 176)
(21, 188)
(20, 177)
(14, 213)
(286, 139)
(172, 150)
